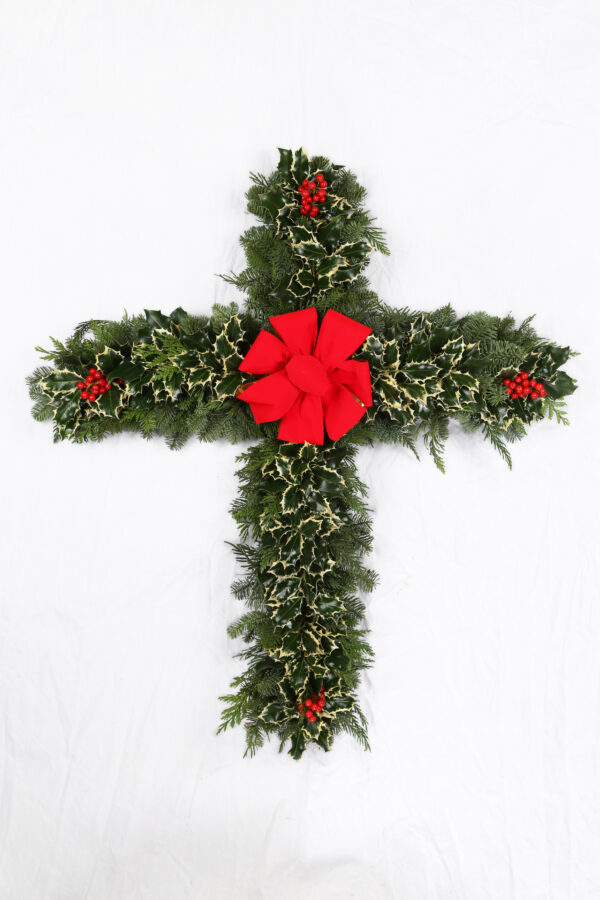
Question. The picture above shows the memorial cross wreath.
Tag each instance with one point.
(314, 367)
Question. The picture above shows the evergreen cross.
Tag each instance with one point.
(304, 526)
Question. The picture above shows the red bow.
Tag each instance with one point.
(310, 381)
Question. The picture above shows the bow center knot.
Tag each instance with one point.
(308, 374)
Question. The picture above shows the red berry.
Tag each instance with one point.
(506, 381)
(525, 374)
(308, 703)
(92, 371)
(319, 178)
(512, 385)
(517, 378)
(121, 382)
(91, 397)
(89, 379)
(80, 385)
(534, 395)
(84, 395)
(323, 184)
(542, 392)
(313, 211)
(311, 185)
(305, 183)
(322, 196)
(95, 389)
(304, 211)
(514, 396)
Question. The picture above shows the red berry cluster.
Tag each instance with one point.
(95, 385)
(522, 385)
(313, 707)
(311, 194)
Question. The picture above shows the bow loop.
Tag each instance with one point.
(338, 338)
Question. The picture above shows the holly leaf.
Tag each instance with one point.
(562, 386)
(298, 677)
(178, 315)
(61, 380)
(272, 201)
(560, 355)
(229, 385)
(330, 234)
(300, 165)
(297, 745)
(68, 410)
(464, 380)
(233, 329)
(157, 319)
(129, 371)
(108, 360)
(310, 250)
(109, 402)
(285, 161)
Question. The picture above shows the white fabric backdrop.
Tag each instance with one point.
(128, 129)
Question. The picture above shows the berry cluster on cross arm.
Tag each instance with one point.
(313, 706)
(521, 385)
(311, 193)
(95, 385)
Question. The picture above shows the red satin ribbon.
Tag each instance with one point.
(310, 383)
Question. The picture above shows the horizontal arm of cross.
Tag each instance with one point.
(179, 375)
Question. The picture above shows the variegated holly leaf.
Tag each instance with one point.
(111, 402)
(67, 411)
(562, 386)
(157, 319)
(227, 386)
(108, 360)
(61, 381)
(132, 373)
